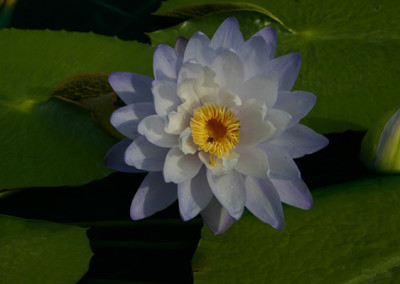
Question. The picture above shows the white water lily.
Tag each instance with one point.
(217, 129)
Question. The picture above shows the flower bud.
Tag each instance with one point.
(380, 148)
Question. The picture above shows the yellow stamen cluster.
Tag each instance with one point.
(215, 129)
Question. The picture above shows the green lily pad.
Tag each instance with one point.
(351, 235)
(348, 50)
(49, 142)
(40, 252)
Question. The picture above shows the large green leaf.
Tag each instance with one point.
(49, 142)
(351, 235)
(348, 50)
(42, 252)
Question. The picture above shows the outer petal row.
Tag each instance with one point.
(131, 87)
(126, 119)
(152, 196)
(194, 195)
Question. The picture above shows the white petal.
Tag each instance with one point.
(222, 166)
(253, 128)
(300, 140)
(179, 167)
(198, 49)
(144, 155)
(261, 87)
(153, 128)
(281, 164)
(288, 67)
(216, 217)
(229, 71)
(131, 87)
(205, 87)
(115, 157)
(230, 99)
(255, 56)
(264, 202)
(189, 70)
(127, 118)
(194, 195)
(294, 192)
(229, 191)
(186, 144)
(253, 162)
(228, 35)
(188, 95)
(165, 97)
(180, 45)
(297, 103)
(280, 119)
(269, 35)
(177, 122)
(166, 63)
(152, 196)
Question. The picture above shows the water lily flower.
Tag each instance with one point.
(217, 129)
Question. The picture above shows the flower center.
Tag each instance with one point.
(215, 129)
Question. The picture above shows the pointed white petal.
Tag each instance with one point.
(177, 122)
(254, 55)
(152, 196)
(253, 162)
(205, 87)
(145, 156)
(153, 128)
(297, 103)
(198, 49)
(281, 164)
(115, 157)
(190, 70)
(222, 166)
(188, 95)
(165, 97)
(180, 45)
(229, 190)
(294, 192)
(186, 144)
(194, 195)
(264, 202)
(127, 118)
(216, 217)
(228, 35)
(179, 167)
(288, 67)
(166, 63)
(131, 87)
(300, 140)
(261, 87)
(280, 119)
(253, 128)
(229, 71)
(230, 99)
(269, 35)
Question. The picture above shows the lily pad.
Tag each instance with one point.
(49, 142)
(351, 235)
(347, 47)
(40, 252)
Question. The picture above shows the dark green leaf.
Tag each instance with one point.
(351, 235)
(42, 252)
(48, 142)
